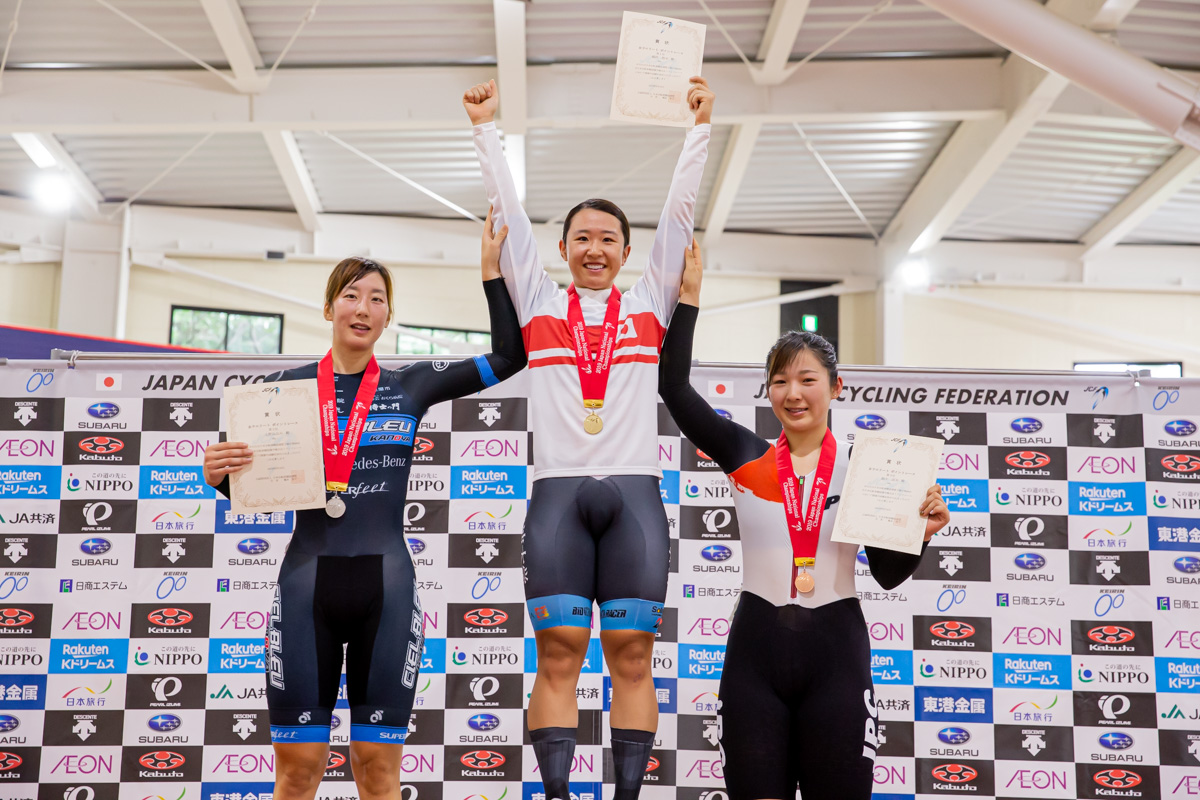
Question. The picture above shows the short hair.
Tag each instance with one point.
(789, 346)
(606, 206)
(352, 269)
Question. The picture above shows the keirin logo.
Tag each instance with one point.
(484, 687)
(165, 688)
(715, 519)
(95, 513)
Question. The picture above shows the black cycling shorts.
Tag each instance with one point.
(596, 539)
(797, 706)
(368, 603)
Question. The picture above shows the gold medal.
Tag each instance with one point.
(805, 582)
(593, 424)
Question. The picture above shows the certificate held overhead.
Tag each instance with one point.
(655, 60)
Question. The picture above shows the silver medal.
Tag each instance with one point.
(335, 506)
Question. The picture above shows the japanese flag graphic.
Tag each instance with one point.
(108, 382)
(720, 388)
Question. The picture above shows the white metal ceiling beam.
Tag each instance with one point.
(429, 98)
(290, 163)
(512, 75)
(233, 34)
(1167, 181)
(936, 203)
(783, 28)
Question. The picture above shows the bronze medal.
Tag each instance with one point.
(805, 582)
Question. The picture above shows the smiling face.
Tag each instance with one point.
(359, 313)
(800, 393)
(595, 248)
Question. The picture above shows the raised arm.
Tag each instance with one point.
(432, 383)
(519, 261)
(722, 440)
(664, 267)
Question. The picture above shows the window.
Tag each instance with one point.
(414, 346)
(234, 331)
(1158, 369)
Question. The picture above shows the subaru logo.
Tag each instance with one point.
(954, 735)
(104, 410)
(1029, 561)
(1114, 740)
(416, 545)
(1188, 564)
(95, 546)
(862, 557)
(716, 552)
(870, 422)
(723, 413)
(164, 722)
(253, 546)
(1026, 425)
(8, 723)
(1180, 427)
(484, 722)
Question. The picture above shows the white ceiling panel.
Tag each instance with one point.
(567, 167)
(786, 191)
(1164, 31)
(908, 27)
(1177, 221)
(229, 170)
(1061, 180)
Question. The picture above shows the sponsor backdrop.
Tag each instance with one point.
(1048, 646)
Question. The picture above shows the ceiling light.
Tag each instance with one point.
(53, 191)
(915, 273)
(34, 148)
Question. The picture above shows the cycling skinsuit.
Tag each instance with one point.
(797, 705)
(596, 529)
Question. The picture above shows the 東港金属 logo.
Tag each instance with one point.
(104, 410)
(1027, 459)
(482, 759)
(871, 422)
(486, 617)
(170, 617)
(101, 445)
(952, 629)
(15, 617)
(162, 759)
(1110, 634)
(955, 773)
(1117, 778)
(1181, 462)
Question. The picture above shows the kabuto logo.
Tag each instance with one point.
(695, 460)
(1172, 466)
(1087, 430)
(473, 414)
(1031, 531)
(101, 449)
(661, 769)
(1110, 569)
(159, 414)
(427, 516)
(19, 764)
(164, 620)
(484, 691)
(1105, 638)
(337, 765)
(501, 620)
(1099, 781)
(1043, 463)
(173, 551)
(950, 634)
(478, 763)
(28, 621)
(98, 516)
(699, 522)
(431, 448)
(955, 429)
(955, 564)
(168, 691)
(162, 764)
(954, 776)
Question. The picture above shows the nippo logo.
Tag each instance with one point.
(170, 616)
(15, 617)
(1117, 778)
(101, 445)
(422, 445)
(954, 773)
(482, 759)
(161, 759)
(1181, 462)
(952, 629)
(9, 761)
(335, 760)
(1110, 634)
(1027, 459)
(486, 617)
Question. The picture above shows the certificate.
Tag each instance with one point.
(281, 423)
(655, 60)
(884, 490)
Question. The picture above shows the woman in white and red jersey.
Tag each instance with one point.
(796, 700)
(596, 530)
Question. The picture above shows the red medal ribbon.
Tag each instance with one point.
(593, 372)
(804, 528)
(339, 456)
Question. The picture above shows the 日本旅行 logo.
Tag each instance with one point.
(952, 629)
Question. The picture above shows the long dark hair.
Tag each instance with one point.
(607, 206)
(793, 343)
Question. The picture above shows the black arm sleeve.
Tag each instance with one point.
(723, 440)
(889, 568)
(429, 386)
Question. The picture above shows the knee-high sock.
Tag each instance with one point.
(631, 753)
(554, 748)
